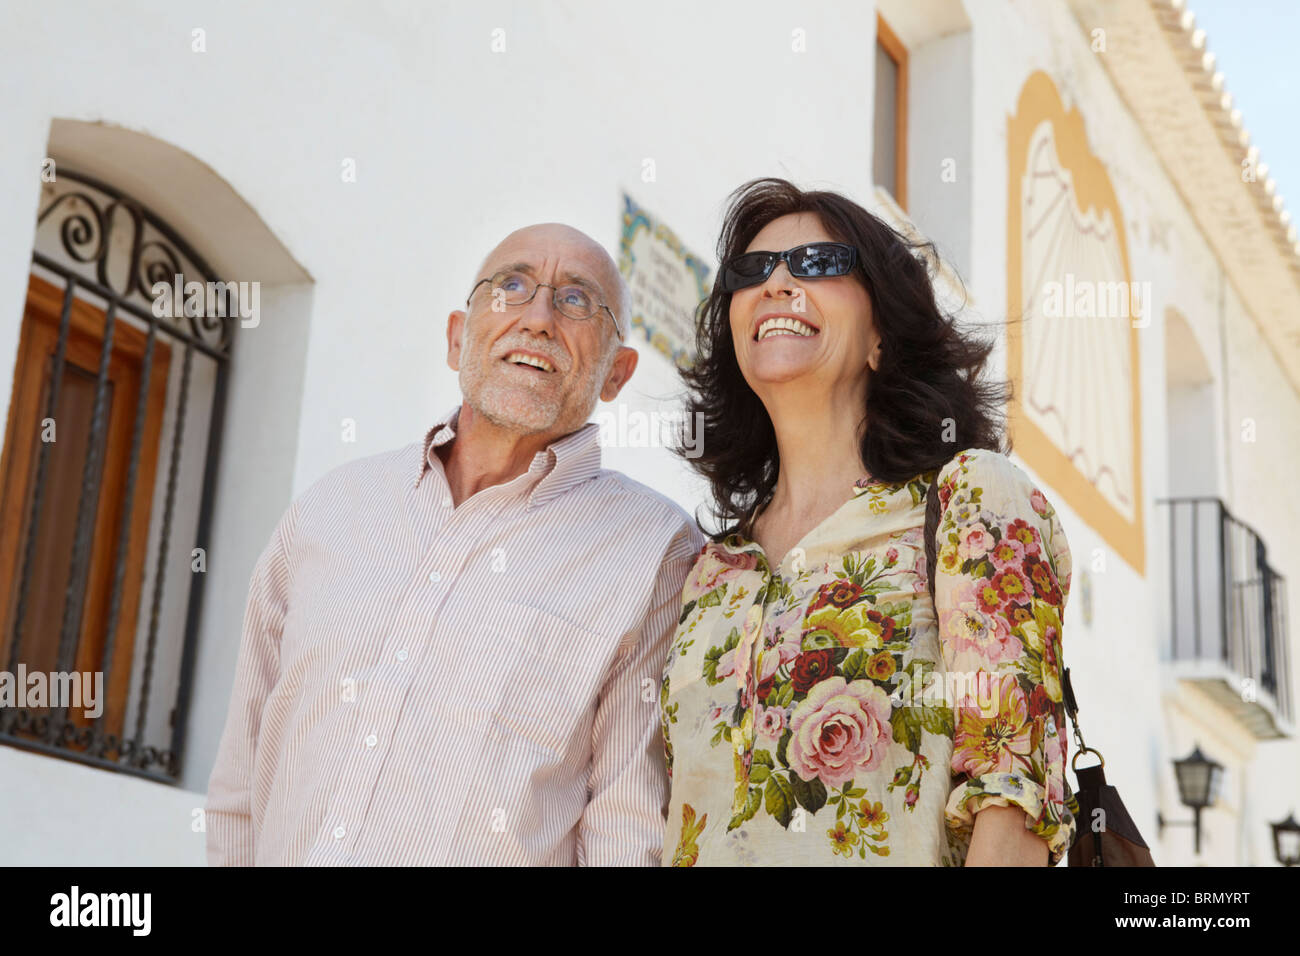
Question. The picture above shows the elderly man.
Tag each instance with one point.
(452, 651)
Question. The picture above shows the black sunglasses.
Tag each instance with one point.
(815, 260)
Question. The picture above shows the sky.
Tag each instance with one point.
(1255, 44)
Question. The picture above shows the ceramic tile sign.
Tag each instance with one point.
(668, 283)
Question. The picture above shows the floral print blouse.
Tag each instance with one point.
(820, 712)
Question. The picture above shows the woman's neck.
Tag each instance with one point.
(819, 443)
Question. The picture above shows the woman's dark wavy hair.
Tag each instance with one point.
(929, 373)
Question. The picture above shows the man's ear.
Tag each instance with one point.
(455, 331)
(624, 365)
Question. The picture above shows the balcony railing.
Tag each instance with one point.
(1228, 615)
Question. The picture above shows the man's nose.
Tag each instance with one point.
(539, 314)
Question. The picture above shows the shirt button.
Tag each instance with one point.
(435, 577)
(446, 502)
(371, 740)
(340, 833)
(401, 655)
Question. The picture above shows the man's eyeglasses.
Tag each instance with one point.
(572, 301)
(815, 260)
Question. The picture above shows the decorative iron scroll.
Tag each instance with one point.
(94, 222)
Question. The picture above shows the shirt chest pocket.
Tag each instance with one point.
(539, 675)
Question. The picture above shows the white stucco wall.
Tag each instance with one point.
(454, 147)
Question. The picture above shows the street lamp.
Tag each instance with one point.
(1198, 788)
(1286, 841)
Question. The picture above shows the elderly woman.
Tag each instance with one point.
(819, 705)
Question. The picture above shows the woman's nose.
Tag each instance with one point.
(780, 280)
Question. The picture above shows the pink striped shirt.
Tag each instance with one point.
(427, 684)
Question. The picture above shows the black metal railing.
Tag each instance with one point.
(113, 249)
(1227, 603)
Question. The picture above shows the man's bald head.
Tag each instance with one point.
(551, 242)
(527, 367)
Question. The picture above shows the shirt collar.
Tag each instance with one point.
(566, 462)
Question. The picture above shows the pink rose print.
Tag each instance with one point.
(986, 635)
(771, 722)
(973, 542)
(712, 568)
(1038, 502)
(839, 730)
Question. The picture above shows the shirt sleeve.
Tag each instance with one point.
(1001, 583)
(623, 824)
(228, 815)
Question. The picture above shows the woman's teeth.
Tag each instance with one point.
(784, 326)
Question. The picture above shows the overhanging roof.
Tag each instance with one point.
(1158, 62)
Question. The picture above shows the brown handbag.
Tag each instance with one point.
(1108, 838)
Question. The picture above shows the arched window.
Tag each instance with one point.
(107, 480)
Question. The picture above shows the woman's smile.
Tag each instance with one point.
(783, 325)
